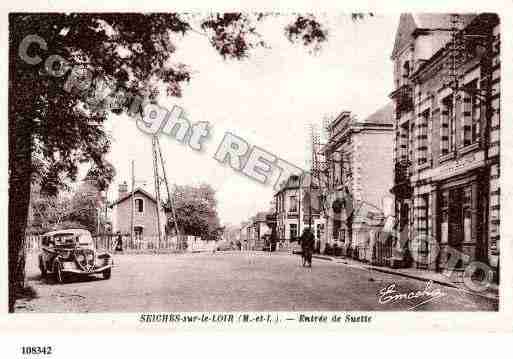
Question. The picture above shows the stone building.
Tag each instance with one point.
(260, 229)
(447, 123)
(145, 213)
(359, 154)
(296, 200)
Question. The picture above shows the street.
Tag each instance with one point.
(235, 281)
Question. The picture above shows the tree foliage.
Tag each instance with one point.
(196, 211)
(49, 212)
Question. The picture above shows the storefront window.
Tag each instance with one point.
(467, 214)
(444, 206)
(293, 230)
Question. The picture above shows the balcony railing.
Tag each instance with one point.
(403, 97)
(401, 171)
(402, 187)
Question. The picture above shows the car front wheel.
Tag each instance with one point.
(59, 274)
(106, 273)
(42, 269)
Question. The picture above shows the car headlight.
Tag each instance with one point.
(80, 258)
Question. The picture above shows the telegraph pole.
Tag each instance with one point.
(299, 207)
(132, 202)
(157, 187)
(169, 198)
(158, 161)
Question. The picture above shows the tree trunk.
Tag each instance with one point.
(19, 199)
(20, 169)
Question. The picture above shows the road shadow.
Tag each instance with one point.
(50, 279)
(27, 293)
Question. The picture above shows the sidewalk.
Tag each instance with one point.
(413, 273)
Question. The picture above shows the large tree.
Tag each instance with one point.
(195, 208)
(53, 128)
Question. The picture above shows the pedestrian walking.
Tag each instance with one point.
(307, 241)
(119, 242)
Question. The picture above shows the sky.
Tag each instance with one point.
(269, 100)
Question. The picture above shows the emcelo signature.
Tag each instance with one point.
(390, 295)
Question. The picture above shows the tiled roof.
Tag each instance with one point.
(129, 193)
(383, 116)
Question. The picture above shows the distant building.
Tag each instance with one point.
(447, 138)
(293, 202)
(359, 177)
(145, 213)
(260, 229)
(244, 235)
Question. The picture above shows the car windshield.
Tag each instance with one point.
(85, 241)
(71, 240)
(65, 239)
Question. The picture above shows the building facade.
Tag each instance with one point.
(360, 160)
(297, 206)
(145, 213)
(447, 137)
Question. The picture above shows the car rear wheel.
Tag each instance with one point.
(106, 273)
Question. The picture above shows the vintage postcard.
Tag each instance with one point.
(264, 169)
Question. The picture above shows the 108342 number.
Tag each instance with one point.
(36, 350)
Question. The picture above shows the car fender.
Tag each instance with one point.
(105, 255)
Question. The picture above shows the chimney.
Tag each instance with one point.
(123, 189)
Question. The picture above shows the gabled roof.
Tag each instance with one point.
(409, 24)
(129, 194)
(403, 35)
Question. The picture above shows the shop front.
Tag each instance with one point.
(460, 219)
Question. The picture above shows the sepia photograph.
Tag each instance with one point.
(224, 163)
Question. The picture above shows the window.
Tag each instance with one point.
(293, 230)
(138, 232)
(406, 70)
(467, 214)
(410, 141)
(139, 205)
(422, 137)
(293, 204)
(403, 142)
(444, 207)
(337, 225)
(423, 214)
(471, 115)
(447, 126)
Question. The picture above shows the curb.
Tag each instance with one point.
(411, 276)
(323, 258)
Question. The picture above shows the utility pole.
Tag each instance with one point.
(158, 161)
(156, 179)
(132, 202)
(169, 198)
(299, 207)
(310, 204)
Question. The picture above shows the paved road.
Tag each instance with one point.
(236, 282)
